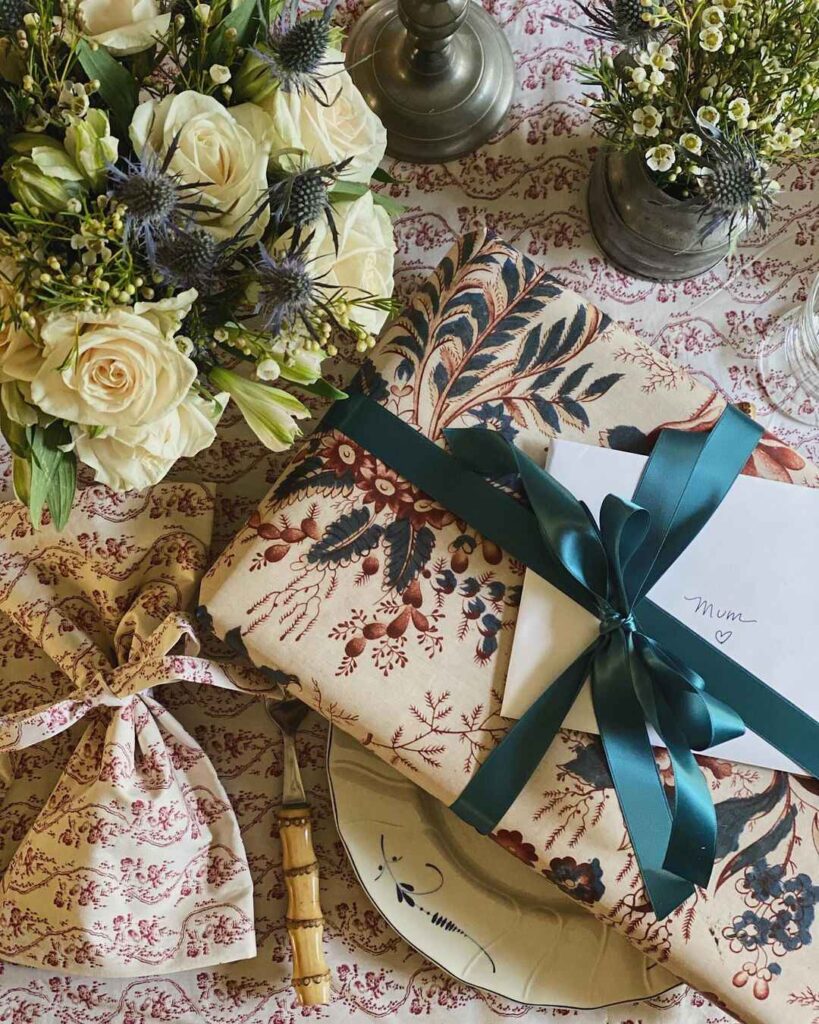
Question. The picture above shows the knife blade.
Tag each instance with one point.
(288, 716)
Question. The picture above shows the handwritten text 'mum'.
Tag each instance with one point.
(708, 610)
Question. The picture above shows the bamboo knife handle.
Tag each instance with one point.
(305, 922)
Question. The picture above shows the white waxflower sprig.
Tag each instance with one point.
(719, 80)
(711, 38)
(691, 143)
(646, 121)
(661, 158)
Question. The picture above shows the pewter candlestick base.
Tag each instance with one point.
(439, 74)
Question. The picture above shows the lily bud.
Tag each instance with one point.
(91, 145)
(42, 176)
(269, 412)
(253, 82)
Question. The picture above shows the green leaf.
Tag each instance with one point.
(117, 85)
(53, 475)
(324, 389)
(348, 191)
(379, 174)
(21, 479)
(244, 19)
(15, 434)
(63, 489)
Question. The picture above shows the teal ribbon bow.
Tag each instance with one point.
(645, 666)
(634, 680)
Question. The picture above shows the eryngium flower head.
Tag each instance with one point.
(734, 185)
(301, 49)
(287, 291)
(191, 258)
(12, 13)
(308, 198)
(150, 198)
(619, 20)
(155, 200)
(299, 198)
(295, 49)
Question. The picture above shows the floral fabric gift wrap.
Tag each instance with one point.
(120, 853)
(395, 619)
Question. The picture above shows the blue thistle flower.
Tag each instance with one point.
(191, 257)
(188, 257)
(12, 13)
(295, 49)
(155, 200)
(299, 198)
(620, 21)
(735, 185)
(287, 290)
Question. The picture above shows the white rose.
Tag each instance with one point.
(331, 131)
(124, 26)
(363, 266)
(118, 368)
(130, 458)
(223, 150)
(20, 356)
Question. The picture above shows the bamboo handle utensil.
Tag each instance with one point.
(305, 921)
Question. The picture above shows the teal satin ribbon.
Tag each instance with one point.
(645, 666)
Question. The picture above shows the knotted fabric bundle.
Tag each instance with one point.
(121, 852)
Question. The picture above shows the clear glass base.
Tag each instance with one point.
(788, 384)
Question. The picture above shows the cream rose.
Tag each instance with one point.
(224, 150)
(363, 266)
(130, 458)
(329, 132)
(20, 356)
(118, 368)
(124, 26)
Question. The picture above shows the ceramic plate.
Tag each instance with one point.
(466, 904)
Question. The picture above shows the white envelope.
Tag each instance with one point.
(749, 584)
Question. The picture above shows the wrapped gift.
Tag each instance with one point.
(395, 618)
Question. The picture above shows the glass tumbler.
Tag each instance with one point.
(789, 361)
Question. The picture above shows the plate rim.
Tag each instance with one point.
(431, 959)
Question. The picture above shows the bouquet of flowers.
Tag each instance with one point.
(185, 219)
(711, 94)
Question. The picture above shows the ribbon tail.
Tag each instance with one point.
(648, 817)
(693, 839)
(661, 688)
(496, 784)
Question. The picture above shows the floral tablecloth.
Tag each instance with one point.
(529, 185)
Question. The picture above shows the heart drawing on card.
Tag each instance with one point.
(723, 635)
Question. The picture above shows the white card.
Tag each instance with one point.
(749, 584)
